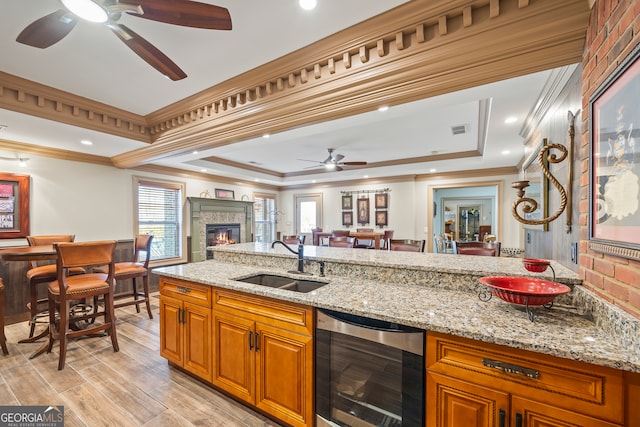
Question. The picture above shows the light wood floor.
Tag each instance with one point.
(134, 387)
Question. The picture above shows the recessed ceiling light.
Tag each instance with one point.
(432, 170)
(505, 152)
(511, 119)
(366, 176)
(266, 135)
(313, 181)
(194, 152)
(256, 180)
(86, 142)
(308, 4)
(383, 108)
(203, 170)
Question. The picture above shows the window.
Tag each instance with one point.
(158, 207)
(308, 212)
(264, 208)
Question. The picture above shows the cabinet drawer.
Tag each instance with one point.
(592, 390)
(195, 293)
(290, 316)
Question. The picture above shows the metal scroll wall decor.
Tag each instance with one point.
(544, 157)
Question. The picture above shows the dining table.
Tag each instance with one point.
(368, 235)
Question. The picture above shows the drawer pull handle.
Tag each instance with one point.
(518, 420)
(250, 341)
(183, 289)
(501, 417)
(511, 368)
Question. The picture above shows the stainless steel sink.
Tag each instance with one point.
(283, 282)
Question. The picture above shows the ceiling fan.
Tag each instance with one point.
(333, 162)
(52, 28)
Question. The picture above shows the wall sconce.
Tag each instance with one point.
(529, 204)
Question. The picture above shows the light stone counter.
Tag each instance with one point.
(435, 292)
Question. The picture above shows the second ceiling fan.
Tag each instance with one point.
(334, 161)
(52, 28)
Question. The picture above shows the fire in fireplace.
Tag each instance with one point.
(222, 234)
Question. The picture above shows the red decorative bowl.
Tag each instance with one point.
(524, 290)
(536, 265)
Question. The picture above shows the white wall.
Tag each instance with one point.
(96, 202)
(93, 202)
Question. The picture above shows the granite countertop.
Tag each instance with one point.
(563, 331)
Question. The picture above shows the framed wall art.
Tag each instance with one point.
(363, 210)
(381, 218)
(347, 202)
(14, 206)
(347, 218)
(381, 200)
(614, 190)
(225, 194)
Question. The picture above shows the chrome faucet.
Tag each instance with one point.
(300, 254)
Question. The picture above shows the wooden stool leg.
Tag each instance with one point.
(135, 292)
(145, 283)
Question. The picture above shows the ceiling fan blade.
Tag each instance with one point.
(338, 157)
(48, 30)
(313, 161)
(185, 13)
(338, 168)
(354, 163)
(148, 52)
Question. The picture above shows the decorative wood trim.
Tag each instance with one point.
(437, 65)
(627, 253)
(54, 153)
(24, 96)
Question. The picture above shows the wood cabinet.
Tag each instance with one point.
(185, 325)
(263, 354)
(480, 384)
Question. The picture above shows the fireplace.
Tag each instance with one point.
(206, 213)
(221, 234)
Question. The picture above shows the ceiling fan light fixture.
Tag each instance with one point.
(330, 165)
(87, 9)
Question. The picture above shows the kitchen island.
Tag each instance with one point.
(581, 350)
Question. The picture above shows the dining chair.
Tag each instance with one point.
(135, 269)
(443, 245)
(3, 338)
(39, 273)
(342, 242)
(365, 244)
(388, 234)
(315, 239)
(294, 239)
(68, 288)
(406, 245)
(479, 248)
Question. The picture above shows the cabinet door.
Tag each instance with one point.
(529, 413)
(171, 330)
(455, 403)
(233, 357)
(197, 340)
(284, 374)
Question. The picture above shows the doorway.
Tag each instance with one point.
(464, 210)
(308, 213)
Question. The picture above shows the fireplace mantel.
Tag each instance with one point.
(204, 209)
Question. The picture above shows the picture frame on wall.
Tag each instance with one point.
(347, 218)
(14, 206)
(363, 210)
(381, 218)
(614, 190)
(381, 200)
(347, 202)
(224, 194)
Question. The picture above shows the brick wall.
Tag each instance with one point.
(613, 32)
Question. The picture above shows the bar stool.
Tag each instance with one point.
(137, 268)
(3, 338)
(38, 274)
(68, 288)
